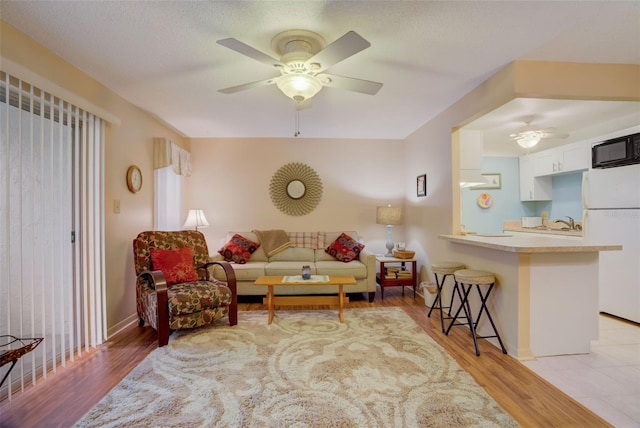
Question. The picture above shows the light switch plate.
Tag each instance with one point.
(116, 206)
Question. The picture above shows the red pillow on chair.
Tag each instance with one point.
(176, 265)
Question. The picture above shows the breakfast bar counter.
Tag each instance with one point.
(546, 296)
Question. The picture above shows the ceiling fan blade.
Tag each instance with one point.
(246, 86)
(245, 49)
(349, 44)
(558, 135)
(350, 84)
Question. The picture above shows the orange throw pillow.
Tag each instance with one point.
(176, 265)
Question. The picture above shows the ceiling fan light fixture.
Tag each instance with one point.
(297, 86)
(528, 141)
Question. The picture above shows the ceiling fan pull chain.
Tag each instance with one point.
(297, 131)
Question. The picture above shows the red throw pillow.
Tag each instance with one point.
(176, 265)
(238, 249)
(345, 248)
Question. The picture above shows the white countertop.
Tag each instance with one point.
(530, 244)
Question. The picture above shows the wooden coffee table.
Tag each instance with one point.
(272, 281)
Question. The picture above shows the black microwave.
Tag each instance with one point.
(619, 151)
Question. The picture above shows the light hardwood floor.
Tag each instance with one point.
(64, 397)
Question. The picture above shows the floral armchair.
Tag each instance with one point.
(174, 289)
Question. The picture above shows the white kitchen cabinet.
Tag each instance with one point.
(561, 160)
(533, 188)
(544, 163)
(575, 157)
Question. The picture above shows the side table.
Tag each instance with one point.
(395, 272)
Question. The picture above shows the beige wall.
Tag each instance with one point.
(231, 180)
(128, 143)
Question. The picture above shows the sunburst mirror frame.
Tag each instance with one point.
(296, 189)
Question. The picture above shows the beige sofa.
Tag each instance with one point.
(308, 248)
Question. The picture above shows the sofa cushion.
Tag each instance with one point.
(244, 272)
(305, 239)
(287, 268)
(355, 268)
(238, 249)
(176, 265)
(345, 248)
(294, 254)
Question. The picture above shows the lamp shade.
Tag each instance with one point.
(389, 215)
(196, 219)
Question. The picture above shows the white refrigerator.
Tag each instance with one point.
(611, 199)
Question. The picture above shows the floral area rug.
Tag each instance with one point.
(377, 369)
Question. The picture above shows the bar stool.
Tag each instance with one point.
(444, 269)
(467, 278)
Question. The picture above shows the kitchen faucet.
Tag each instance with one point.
(571, 223)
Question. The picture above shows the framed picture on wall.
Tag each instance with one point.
(494, 181)
(421, 182)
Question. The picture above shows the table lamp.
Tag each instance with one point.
(196, 219)
(389, 216)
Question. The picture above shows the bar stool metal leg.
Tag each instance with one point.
(437, 302)
(444, 269)
(483, 307)
(464, 306)
(466, 280)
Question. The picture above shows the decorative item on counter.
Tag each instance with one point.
(485, 200)
(306, 272)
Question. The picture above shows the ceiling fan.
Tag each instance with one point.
(304, 57)
(530, 135)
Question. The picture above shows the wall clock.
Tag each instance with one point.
(134, 179)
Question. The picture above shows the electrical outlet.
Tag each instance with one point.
(116, 206)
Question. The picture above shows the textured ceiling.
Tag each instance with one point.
(163, 56)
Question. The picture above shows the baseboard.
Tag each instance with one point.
(122, 325)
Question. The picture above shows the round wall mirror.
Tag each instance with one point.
(296, 189)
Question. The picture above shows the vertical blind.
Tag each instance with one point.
(51, 230)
